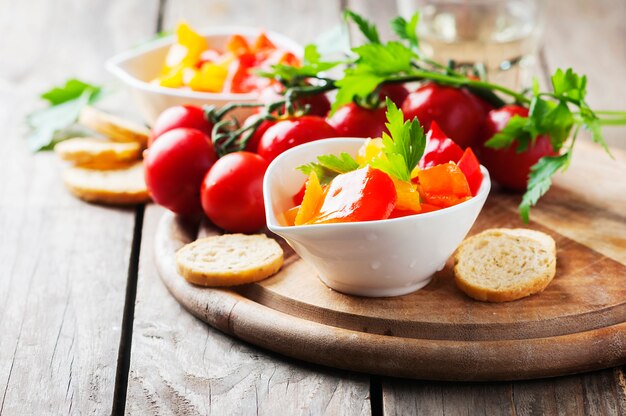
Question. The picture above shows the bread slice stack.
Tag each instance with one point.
(501, 265)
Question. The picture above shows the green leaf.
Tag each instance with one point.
(367, 28)
(569, 84)
(388, 59)
(540, 180)
(72, 89)
(353, 85)
(47, 125)
(393, 165)
(404, 147)
(375, 63)
(407, 30)
(51, 125)
(329, 166)
(324, 175)
(558, 123)
(593, 124)
(553, 119)
(312, 66)
(341, 164)
(517, 129)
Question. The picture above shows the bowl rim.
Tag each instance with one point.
(271, 219)
(113, 64)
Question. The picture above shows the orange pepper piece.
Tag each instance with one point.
(444, 185)
(408, 196)
(290, 215)
(237, 45)
(263, 43)
(313, 198)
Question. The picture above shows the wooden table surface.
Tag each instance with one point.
(86, 325)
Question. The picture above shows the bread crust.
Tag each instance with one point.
(204, 272)
(114, 127)
(487, 294)
(95, 153)
(124, 186)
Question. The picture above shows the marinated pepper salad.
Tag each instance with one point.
(192, 63)
(403, 173)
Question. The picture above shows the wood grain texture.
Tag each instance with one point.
(595, 27)
(560, 331)
(179, 365)
(587, 394)
(63, 263)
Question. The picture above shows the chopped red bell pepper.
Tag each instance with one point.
(365, 194)
(439, 148)
(444, 185)
(241, 78)
(470, 167)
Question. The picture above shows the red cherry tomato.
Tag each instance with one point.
(352, 120)
(188, 116)
(396, 93)
(253, 143)
(175, 166)
(470, 167)
(458, 112)
(289, 133)
(365, 194)
(507, 167)
(319, 103)
(232, 192)
(439, 148)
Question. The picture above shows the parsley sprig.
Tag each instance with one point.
(329, 166)
(559, 113)
(402, 150)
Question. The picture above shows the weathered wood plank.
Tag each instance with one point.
(594, 393)
(588, 35)
(589, 394)
(179, 365)
(63, 263)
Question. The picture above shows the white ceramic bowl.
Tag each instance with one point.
(375, 258)
(137, 67)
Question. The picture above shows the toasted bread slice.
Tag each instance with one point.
(501, 265)
(115, 128)
(229, 259)
(117, 186)
(98, 153)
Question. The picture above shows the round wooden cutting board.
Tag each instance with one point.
(577, 324)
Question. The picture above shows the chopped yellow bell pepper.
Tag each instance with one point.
(172, 79)
(408, 196)
(371, 149)
(187, 49)
(209, 78)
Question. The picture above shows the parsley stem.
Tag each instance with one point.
(418, 75)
